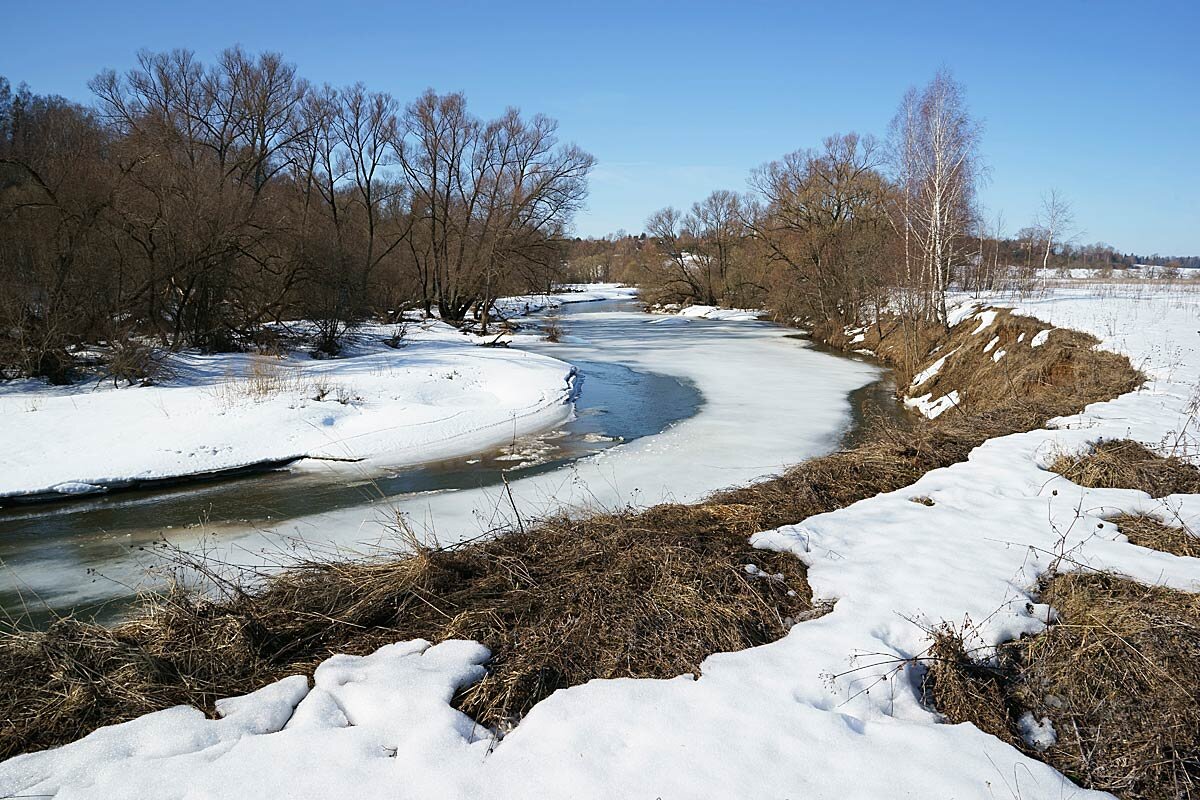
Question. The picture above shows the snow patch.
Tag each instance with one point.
(961, 311)
(75, 487)
(933, 369)
(986, 318)
(1038, 734)
(727, 314)
(933, 408)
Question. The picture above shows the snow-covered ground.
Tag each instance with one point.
(1136, 272)
(829, 711)
(437, 396)
(567, 294)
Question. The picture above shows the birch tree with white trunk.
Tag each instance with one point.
(1055, 219)
(935, 153)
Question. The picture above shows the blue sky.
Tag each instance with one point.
(1099, 100)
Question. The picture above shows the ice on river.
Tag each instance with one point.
(769, 401)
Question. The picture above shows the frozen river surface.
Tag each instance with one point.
(671, 409)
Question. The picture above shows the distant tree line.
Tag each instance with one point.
(193, 204)
(839, 231)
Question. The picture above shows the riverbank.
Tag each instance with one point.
(435, 394)
(889, 556)
(397, 395)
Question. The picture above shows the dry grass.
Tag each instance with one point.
(552, 328)
(1118, 676)
(1063, 371)
(647, 594)
(560, 602)
(1126, 464)
(1147, 531)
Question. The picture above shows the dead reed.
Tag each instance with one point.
(646, 594)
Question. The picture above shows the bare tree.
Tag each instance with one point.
(1055, 219)
(676, 278)
(998, 236)
(491, 200)
(716, 226)
(934, 149)
(823, 218)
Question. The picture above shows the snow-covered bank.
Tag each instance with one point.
(709, 312)
(715, 312)
(1134, 273)
(436, 396)
(830, 711)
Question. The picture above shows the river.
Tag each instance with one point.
(669, 409)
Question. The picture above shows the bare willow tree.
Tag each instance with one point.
(350, 205)
(675, 277)
(934, 146)
(717, 224)
(57, 279)
(197, 148)
(824, 221)
(490, 200)
(701, 254)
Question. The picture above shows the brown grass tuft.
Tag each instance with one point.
(1148, 531)
(1126, 464)
(963, 688)
(552, 328)
(1118, 676)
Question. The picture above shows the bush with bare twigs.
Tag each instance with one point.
(135, 362)
(552, 328)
